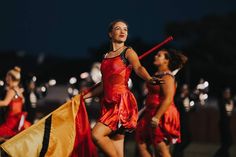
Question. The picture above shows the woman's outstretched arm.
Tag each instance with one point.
(138, 68)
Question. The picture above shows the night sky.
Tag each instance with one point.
(70, 28)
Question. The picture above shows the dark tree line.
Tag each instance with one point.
(211, 47)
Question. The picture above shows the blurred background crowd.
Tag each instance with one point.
(59, 47)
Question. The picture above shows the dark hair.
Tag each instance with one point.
(111, 25)
(176, 59)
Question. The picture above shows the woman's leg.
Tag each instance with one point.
(162, 149)
(143, 150)
(118, 141)
(100, 135)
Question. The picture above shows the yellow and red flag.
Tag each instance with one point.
(63, 133)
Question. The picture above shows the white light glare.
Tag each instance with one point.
(203, 96)
(206, 84)
(70, 90)
(130, 83)
(43, 89)
(52, 82)
(34, 78)
(84, 75)
(1, 83)
(72, 80)
(191, 103)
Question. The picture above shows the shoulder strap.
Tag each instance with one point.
(122, 55)
(104, 55)
(16, 94)
(164, 73)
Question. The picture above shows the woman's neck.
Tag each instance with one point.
(163, 69)
(13, 85)
(117, 46)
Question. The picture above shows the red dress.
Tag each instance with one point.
(168, 129)
(118, 105)
(10, 126)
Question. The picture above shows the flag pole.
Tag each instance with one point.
(170, 38)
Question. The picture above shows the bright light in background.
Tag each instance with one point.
(70, 90)
(206, 84)
(52, 82)
(96, 73)
(1, 83)
(92, 123)
(84, 75)
(43, 89)
(75, 92)
(72, 80)
(203, 96)
(88, 101)
(191, 103)
(130, 83)
(34, 78)
(203, 85)
(200, 86)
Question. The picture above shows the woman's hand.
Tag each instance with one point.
(154, 122)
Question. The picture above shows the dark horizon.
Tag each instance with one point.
(72, 29)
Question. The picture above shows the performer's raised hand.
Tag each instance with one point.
(154, 122)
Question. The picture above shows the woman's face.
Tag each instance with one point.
(119, 32)
(8, 79)
(160, 59)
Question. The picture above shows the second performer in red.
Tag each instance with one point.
(159, 125)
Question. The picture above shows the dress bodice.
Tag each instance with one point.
(115, 76)
(16, 105)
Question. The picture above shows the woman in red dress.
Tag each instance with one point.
(159, 125)
(118, 104)
(14, 100)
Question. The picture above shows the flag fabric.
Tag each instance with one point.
(65, 132)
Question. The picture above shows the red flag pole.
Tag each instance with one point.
(170, 38)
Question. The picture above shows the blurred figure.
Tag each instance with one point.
(14, 99)
(159, 125)
(33, 94)
(226, 106)
(184, 105)
(31, 99)
(3, 109)
(200, 94)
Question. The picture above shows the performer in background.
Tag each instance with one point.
(118, 104)
(159, 125)
(183, 101)
(14, 99)
(226, 107)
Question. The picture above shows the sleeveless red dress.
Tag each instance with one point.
(118, 105)
(168, 129)
(10, 126)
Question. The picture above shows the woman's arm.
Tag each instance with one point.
(168, 91)
(10, 94)
(138, 68)
(97, 91)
